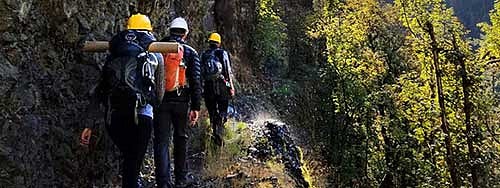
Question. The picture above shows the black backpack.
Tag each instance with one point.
(129, 71)
(212, 65)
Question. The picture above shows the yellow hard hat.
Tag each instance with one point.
(215, 37)
(139, 21)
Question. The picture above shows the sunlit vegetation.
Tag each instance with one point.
(406, 98)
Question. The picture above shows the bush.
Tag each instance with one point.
(270, 35)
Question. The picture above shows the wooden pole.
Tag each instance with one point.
(164, 47)
(95, 46)
(103, 46)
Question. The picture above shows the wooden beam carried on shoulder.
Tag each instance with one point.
(103, 46)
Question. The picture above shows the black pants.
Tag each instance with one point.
(132, 140)
(170, 115)
(217, 110)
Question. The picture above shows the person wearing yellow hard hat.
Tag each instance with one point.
(139, 22)
(218, 85)
(131, 84)
(214, 38)
(179, 109)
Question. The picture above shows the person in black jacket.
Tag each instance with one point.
(218, 85)
(180, 105)
(129, 104)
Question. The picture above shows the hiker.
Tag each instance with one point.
(218, 85)
(180, 106)
(130, 86)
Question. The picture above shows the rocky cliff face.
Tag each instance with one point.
(45, 79)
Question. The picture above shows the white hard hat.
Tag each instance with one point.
(179, 23)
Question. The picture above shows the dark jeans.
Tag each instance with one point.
(217, 110)
(132, 140)
(170, 115)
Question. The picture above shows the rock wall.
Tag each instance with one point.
(45, 79)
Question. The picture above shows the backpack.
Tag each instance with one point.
(175, 70)
(212, 66)
(130, 70)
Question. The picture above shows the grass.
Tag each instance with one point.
(236, 141)
(230, 167)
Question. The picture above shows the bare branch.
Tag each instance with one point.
(493, 133)
(403, 2)
(493, 61)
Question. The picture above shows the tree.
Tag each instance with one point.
(486, 98)
(364, 43)
(410, 104)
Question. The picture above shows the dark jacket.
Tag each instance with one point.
(193, 76)
(99, 94)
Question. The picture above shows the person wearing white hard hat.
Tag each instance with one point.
(180, 107)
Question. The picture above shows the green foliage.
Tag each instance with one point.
(219, 161)
(236, 139)
(487, 99)
(491, 42)
(382, 107)
(355, 67)
(270, 33)
(285, 88)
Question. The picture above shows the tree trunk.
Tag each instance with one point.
(389, 160)
(388, 180)
(469, 132)
(450, 160)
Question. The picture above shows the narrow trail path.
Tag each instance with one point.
(259, 152)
